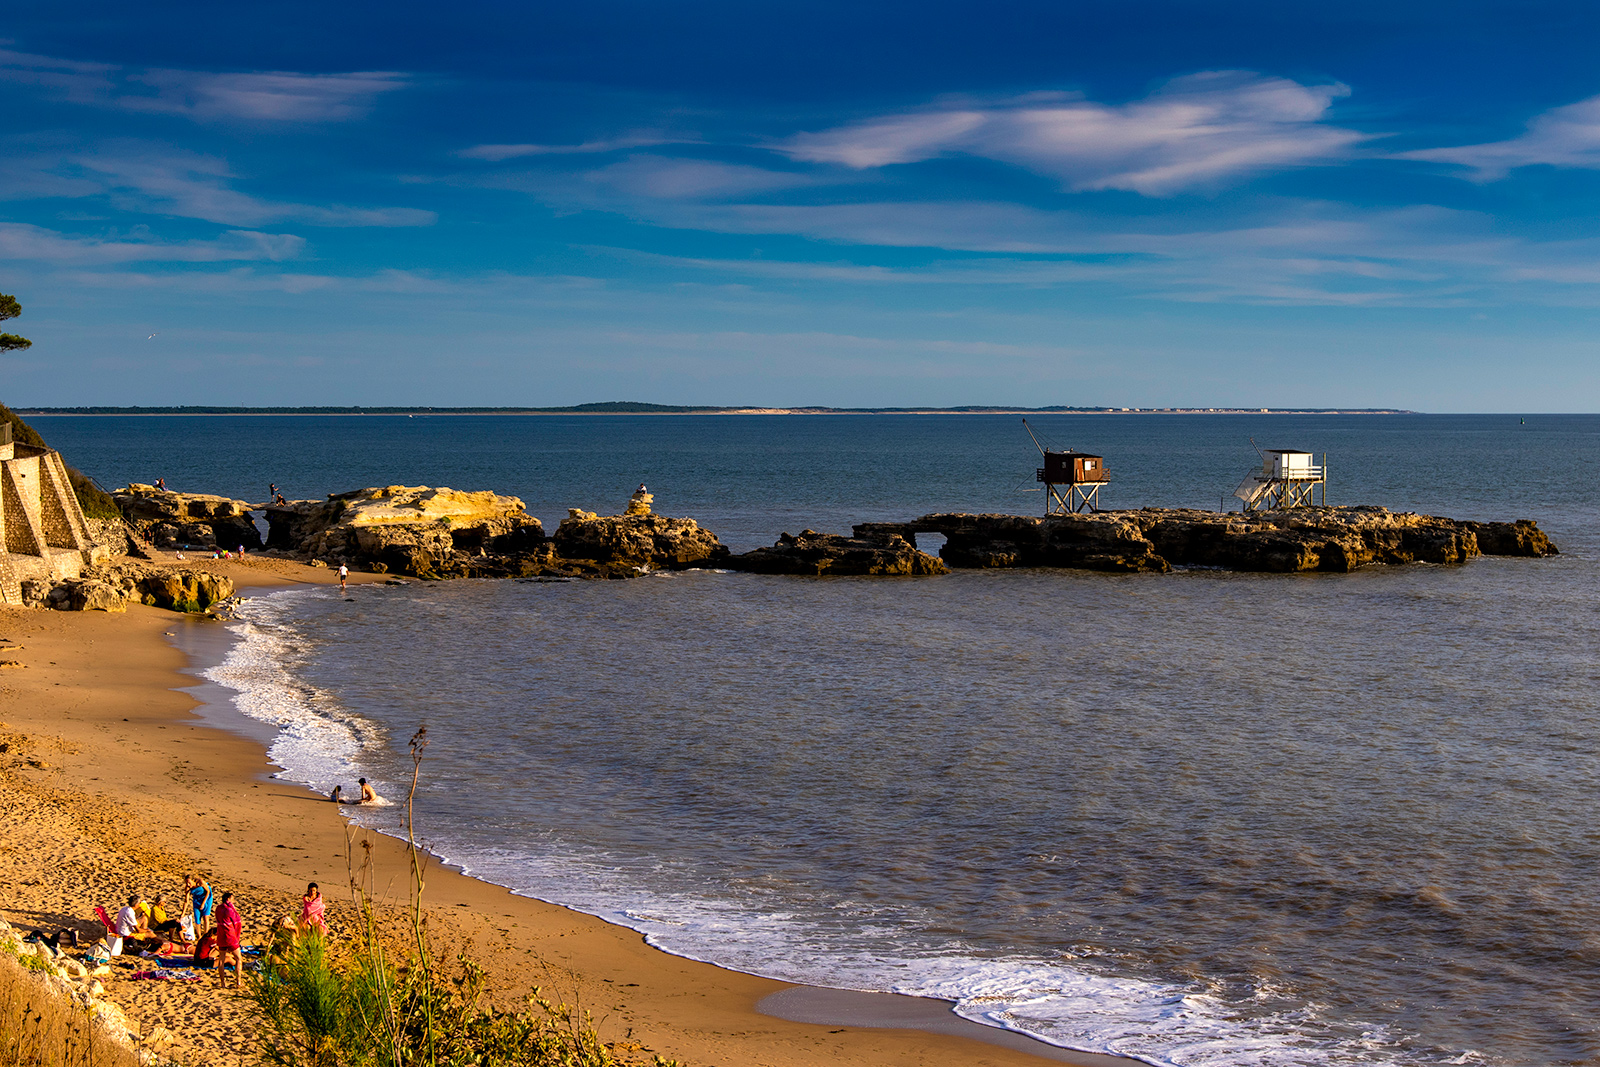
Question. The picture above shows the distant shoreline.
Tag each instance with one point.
(664, 409)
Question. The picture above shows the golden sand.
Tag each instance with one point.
(109, 784)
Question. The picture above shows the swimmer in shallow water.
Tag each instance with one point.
(337, 795)
(368, 794)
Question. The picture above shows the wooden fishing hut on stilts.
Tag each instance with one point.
(1072, 480)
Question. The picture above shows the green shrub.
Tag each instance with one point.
(370, 1010)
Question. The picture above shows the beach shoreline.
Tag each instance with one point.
(185, 790)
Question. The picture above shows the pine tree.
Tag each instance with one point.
(10, 309)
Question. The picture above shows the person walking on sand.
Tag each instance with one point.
(344, 576)
(313, 912)
(230, 943)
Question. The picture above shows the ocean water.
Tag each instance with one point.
(1199, 818)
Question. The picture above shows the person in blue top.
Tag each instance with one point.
(200, 896)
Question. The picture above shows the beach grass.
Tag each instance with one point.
(390, 1002)
(42, 1027)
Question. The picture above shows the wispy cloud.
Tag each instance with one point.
(150, 179)
(205, 96)
(1196, 130)
(496, 153)
(1301, 254)
(35, 244)
(1566, 136)
(275, 96)
(658, 177)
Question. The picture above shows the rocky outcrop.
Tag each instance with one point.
(414, 530)
(81, 995)
(168, 519)
(113, 586)
(1155, 539)
(820, 554)
(1103, 542)
(1520, 538)
(643, 541)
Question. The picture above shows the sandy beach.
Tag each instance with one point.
(112, 783)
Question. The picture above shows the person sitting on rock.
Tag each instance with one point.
(639, 502)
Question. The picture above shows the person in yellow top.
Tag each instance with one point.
(161, 924)
(141, 911)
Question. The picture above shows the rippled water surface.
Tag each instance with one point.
(1201, 818)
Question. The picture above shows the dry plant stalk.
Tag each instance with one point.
(383, 1004)
(43, 1027)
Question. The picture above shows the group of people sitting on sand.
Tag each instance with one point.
(208, 934)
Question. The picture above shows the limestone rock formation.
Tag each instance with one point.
(1104, 542)
(113, 586)
(414, 530)
(1154, 539)
(1520, 538)
(642, 541)
(820, 554)
(168, 519)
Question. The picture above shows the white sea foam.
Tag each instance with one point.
(318, 744)
(1164, 1024)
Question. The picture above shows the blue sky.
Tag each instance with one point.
(1140, 204)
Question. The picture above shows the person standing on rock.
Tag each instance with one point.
(344, 576)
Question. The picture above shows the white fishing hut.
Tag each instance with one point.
(1288, 478)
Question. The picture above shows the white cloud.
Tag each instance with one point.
(1563, 137)
(495, 153)
(156, 180)
(79, 82)
(276, 96)
(270, 96)
(35, 244)
(691, 179)
(1196, 130)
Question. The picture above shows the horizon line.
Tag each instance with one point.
(640, 408)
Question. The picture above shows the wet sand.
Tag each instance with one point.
(115, 779)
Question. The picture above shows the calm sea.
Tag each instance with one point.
(1200, 818)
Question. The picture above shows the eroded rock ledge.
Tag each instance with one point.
(1157, 539)
(442, 533)
(831, 554)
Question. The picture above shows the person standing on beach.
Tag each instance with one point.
(344, 576)
(313, 911)
(200, 902)
(230, 943)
